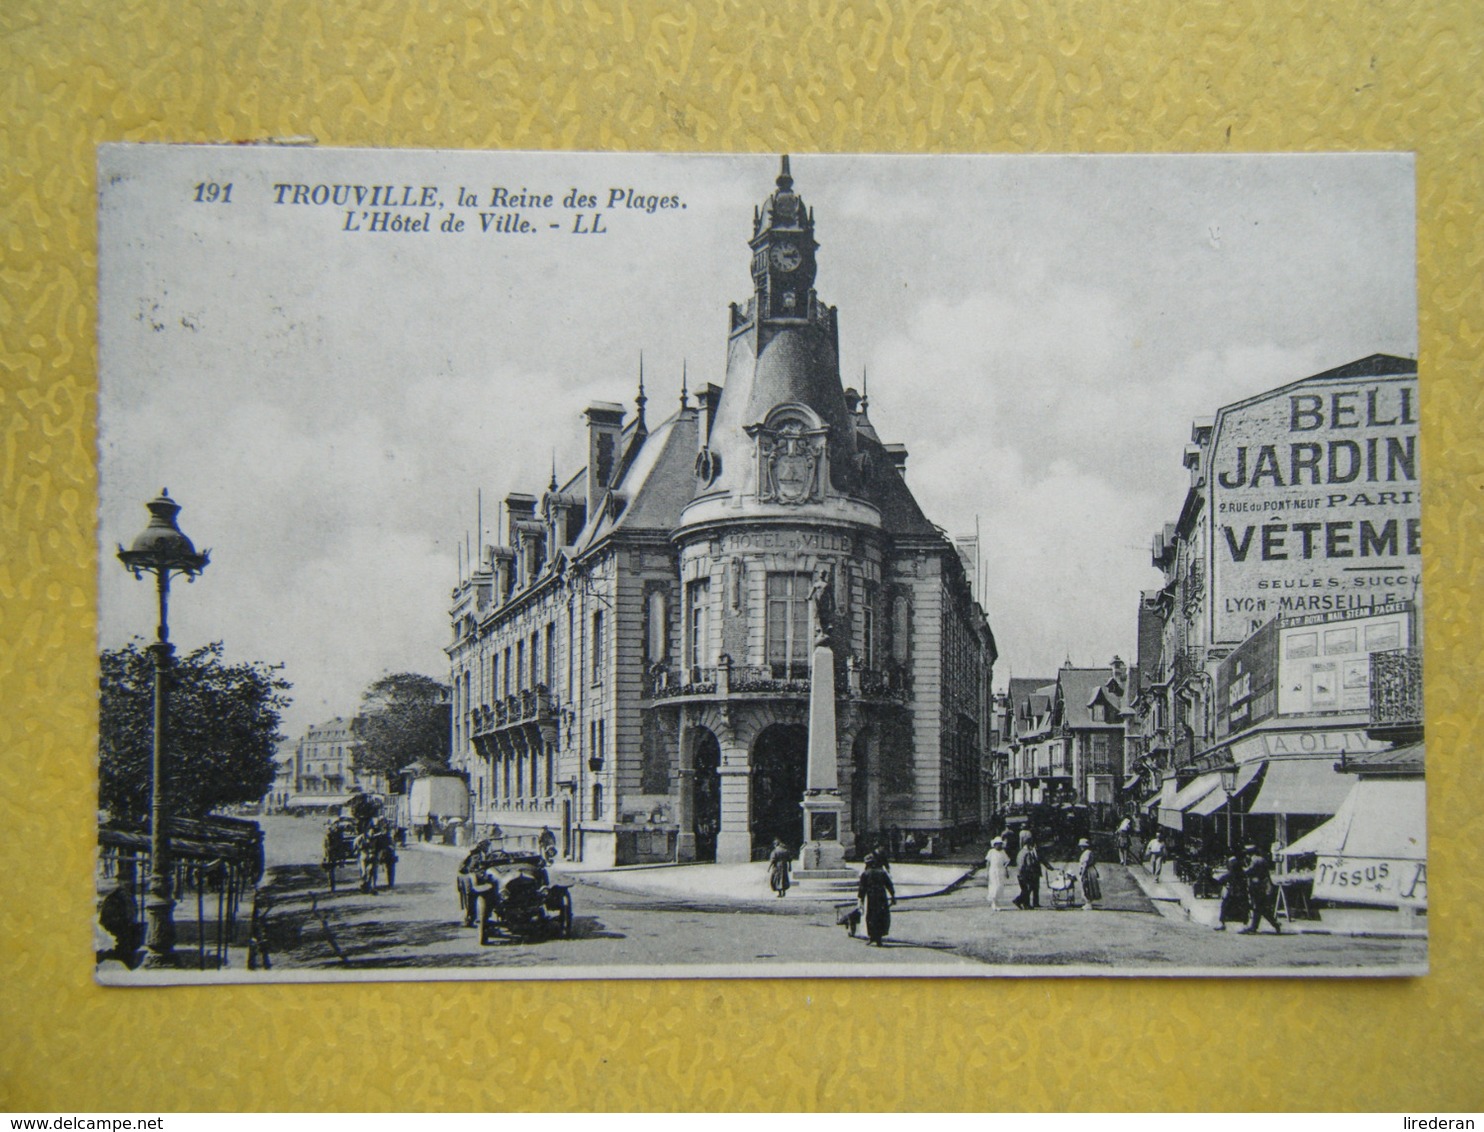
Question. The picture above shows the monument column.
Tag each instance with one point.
(822, 855)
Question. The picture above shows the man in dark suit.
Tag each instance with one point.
(1260, 893)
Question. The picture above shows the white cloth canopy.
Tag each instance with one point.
(1381, 818)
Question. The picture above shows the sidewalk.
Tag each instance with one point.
(742, 883)
(1177, 900)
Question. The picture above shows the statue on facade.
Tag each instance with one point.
(822, 598)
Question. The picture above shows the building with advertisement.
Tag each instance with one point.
(631, 665)
(1291, 589)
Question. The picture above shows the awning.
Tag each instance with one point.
(1130, 782)
(1374, 850)
(1193, 792)
(1384, 818)
(1216, 799)
(1301, 786)
(1172, 813)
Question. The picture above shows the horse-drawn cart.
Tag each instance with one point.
(367, 847)
(340, 848)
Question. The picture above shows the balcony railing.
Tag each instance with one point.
(531, 705)
(1396, 688)
(854, 681)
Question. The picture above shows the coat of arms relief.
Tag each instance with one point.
(790, 459)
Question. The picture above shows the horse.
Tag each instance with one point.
(374, 849)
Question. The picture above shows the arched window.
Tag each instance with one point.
(597, 801)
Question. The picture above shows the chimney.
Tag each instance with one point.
(517, 507)
(897, 453)
(604, 434)
(707, 397)
(502, 558)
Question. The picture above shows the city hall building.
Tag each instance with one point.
(631, 665)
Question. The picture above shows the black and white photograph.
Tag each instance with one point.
(539, 565)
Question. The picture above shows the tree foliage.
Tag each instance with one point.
(221, 730)
(404, 718)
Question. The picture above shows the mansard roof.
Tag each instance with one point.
(1079, 690)
(654, 482)
(883, 485)
(1021, 688)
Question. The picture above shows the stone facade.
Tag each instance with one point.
(631, 666)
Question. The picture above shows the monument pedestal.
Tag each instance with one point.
(822, 857)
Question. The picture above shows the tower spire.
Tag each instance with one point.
(785, 180)
(684, 386)
(640, 401)
(553, 471)
(865, 389)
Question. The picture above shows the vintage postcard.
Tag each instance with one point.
(617, 566)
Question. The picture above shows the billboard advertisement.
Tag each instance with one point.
(1315, 504)
(1246, 682)
(1324, 661)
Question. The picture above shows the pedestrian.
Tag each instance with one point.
(997, 864)
(1155, 851)
(1234, 907)
(116, 917)
(876, 895)
(1087, 875)
(1260, 892)
(546, 842)
(779, 863)
(1028, 872)
(883, 858)
(1122, 837)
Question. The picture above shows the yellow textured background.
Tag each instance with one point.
(1101, 75)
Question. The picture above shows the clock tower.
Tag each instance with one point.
(783, 250)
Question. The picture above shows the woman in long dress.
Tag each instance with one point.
(1087, 876)
(779, 863)
(876, 895)
(997, 864)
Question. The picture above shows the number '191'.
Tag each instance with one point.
(209, 192)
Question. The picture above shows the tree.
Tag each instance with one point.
(404, 718)
(221, 731)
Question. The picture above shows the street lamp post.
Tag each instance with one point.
(161, 550)
(1229, 786)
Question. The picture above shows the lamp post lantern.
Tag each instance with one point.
(1229, 786)
(162, 550)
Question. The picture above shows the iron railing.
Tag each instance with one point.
(1396, 688)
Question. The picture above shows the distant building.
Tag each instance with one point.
(631, 665)
(324, 760)
(283, 778)
(1068, 735)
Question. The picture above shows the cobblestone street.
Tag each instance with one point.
(416, 926)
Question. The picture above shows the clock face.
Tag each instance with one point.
(786, 256)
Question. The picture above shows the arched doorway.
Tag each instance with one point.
(706, 798)
(779, 768)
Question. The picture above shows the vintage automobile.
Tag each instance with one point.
(516, 897)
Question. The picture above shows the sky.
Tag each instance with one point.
(326, 402)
